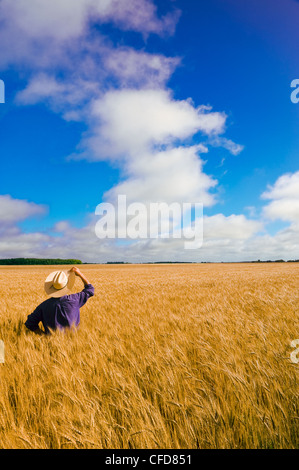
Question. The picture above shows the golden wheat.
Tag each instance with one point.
(166, 356)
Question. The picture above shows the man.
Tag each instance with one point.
(62, 309)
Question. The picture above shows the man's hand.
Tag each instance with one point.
(76, 271)
(81, 275)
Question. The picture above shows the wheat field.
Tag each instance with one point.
(166, 356)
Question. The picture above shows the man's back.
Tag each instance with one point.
(59, 313)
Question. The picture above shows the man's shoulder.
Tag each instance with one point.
(69, 297)
(46, 302)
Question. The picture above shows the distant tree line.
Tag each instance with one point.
(118, 262)
(18, 261)
(275, 261)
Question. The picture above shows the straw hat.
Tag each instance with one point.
(59, 283)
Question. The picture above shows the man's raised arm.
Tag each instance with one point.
(81, 275)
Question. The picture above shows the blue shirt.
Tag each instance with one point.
(59, 312)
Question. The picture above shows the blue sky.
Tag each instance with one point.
(107, 98)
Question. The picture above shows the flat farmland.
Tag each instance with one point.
(166, 356)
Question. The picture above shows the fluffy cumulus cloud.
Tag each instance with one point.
(15, 210)
(13, 242)
(126, 123)
(31, 25)
(233, 227)
(284, 196)
(135, 69)
(225, 238)
(66, 59)
(149, 134)
(174, 175)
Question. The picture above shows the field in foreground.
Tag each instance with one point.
(166, 356)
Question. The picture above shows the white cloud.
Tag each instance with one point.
(232, 147)
(28, 26)
(284, 196)
(68, 97)
(40, 87)
(24, 245)
(135, 69)
(13, 242)
(67, 19)
(83, 82)
(15, 210)
(283, 209)
(127, 122)
(149, 134)
(226, 238)
(173, 175)
(232, 227)
(286, 187)
(61, 226)
(41, 18)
